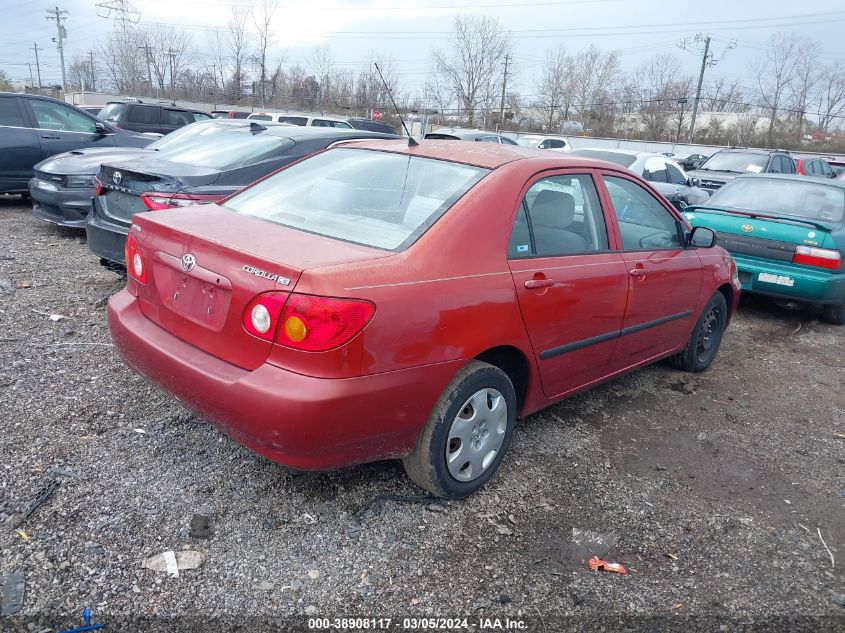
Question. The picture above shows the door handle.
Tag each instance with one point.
(638, 272)
(539, 283)
(49, 136)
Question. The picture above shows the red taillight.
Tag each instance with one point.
(306, 322)
(231, 114)
(98, 187)
(317, 324)
(156, 201)
(261, 316)
(818, 257)
(135, 265)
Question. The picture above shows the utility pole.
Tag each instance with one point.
(171, 55)
(31, 79)
(146, 49)
(93, 84)
(704, 62)
(504, 86)
(58, 16)
(37, 64)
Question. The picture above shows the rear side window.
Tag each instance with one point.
(111, 112)
(373, 198)
(260, 117)
(199, 116)
(556, 143)
(676, 176)
(144, 115)
(10, 113)
(507, 141)
(177, 118)
(293, 120)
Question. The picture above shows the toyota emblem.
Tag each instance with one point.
(116, 177)
(188, 262)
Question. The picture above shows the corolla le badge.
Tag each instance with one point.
(747, 228)
(252, 270)
(188, 262)
(117, 177)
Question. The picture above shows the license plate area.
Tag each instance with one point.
(202, 299)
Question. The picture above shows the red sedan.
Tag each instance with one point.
(379, 301)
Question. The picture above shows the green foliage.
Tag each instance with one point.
(5, 82)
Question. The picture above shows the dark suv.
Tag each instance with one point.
(727, 164)
(157, 118)
(33, 128)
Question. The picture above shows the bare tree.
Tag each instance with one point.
(471, 67)
(262, 18)
(166, 50)
(595, 74)
(806, 78)
(555, 84)
(237, 41)
(774, 74)
(370, 92)
(831, 96)
(654, 88)
(125, 68)
(321, 66)
(81, 73)
(721, 95)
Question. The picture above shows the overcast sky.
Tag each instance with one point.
(409, 29)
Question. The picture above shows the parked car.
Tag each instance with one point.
(35, 127)
(93, 110)
(155, 118)
(460, 134)
(381, 301)
(787, 235)
(727, 164)
(218, 158)
(229, 114)
(554, 143)
(662, 172)
(305, 120)
(63, 185)
(813, 167)
(691, 161)
(837, 165)
(369, 124)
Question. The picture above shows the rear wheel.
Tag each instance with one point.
(705, 338)
(834, 313)
(467, 434)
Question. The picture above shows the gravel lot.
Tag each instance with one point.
(711, 489)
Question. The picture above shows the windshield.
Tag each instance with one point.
(738, 162)
(773, 196)
(528, 141)
(199, 144)
(367, 197)
(626, 160)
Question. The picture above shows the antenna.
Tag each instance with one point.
(411, 141)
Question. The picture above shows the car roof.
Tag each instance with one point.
(839, 184)
(295, 132)
(624, 152)
(487, 155)
(745, 150)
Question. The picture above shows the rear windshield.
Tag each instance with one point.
(111, 112)
(773, 196)
(294, 120)
(736, 162)
(367, 197)
(260, 117)
(626, 160)
(442, 137)
(199, 144)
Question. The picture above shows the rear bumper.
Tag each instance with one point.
(106, 238)
(789, 281)
(66, 207)
(299, 421)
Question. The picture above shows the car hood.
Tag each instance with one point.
(718, 176)
(87, 161)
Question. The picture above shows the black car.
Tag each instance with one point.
(63, 185)
(33, 128)
(369, 124)
(218, 158)
(461, 134)
(692, 161)
(727, 164)
(155, 118)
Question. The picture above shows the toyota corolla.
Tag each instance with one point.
(383, 301)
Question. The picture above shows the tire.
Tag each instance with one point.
(705, 338)
(834, 313)
(487, 433)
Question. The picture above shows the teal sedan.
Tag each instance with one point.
(787, 235)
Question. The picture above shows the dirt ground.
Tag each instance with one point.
(714, 490)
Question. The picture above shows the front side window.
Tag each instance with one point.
(564, 216)
(655, 170)
(507, 141)
(643, 222)
(676, 176)
(143, 115)
(374, 198)
(55, 116)
(556, 143)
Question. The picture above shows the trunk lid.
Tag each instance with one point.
(236, 258)
(758, 235)
(124, 184)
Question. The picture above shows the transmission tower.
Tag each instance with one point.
(122, 12)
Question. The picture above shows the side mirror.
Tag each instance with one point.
(702, 237)
(101, 128)
(694, 182)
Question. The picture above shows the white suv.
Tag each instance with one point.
(554, 143)
(300, 119)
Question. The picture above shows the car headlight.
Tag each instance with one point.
(79, 182)
(46, 186)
